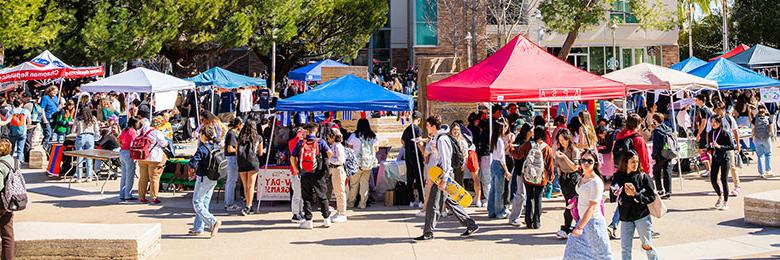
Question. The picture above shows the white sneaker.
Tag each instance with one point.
(411, 204)
(326, 223)
(719, 203)
(725, 206)
(704, 174)
(479, 203)
(419, 205)
(515, 222)
(338, 218)
(307, 224)
(561, 234)
(769, 174)
(420, 214)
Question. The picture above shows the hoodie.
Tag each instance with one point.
(639, 146)
(635, 208)
(659, 140)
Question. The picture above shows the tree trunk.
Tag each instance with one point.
(569, 42)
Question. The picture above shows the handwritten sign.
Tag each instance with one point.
(273, 184)
(560, 94)
(770, 95)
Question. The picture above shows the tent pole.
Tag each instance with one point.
(417, 156)
(197, 108)
(151, 107)
(673, 118)
(259, 192)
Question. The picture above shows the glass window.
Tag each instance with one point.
(426, 23)
(639, 55)
(621, 11)
(597, 62)
(627, 55)
(608, 60)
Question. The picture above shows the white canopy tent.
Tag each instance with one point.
(142, 80)
(646, 77)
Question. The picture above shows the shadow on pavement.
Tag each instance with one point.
(356, 241)
(59, 191)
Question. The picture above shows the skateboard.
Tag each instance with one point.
(454, 190)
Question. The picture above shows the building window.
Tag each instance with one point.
(426, 23)
(597, 61)
(621, 11)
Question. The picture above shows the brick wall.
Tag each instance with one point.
(329, 73)
(400, 58)
(670, 55)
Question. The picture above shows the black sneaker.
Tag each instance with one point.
(297, 219)
(469, 231)
(425, 236)
(244, 211)
(131, 199)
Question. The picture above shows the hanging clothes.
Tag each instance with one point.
(226, 104)
(245, 100)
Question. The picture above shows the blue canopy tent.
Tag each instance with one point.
(347, 93)
(313, 72)
(688, 64)
(730, 75)
(223, 78)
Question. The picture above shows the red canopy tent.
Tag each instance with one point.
(732, 52)
(521, 71)
(47, 66)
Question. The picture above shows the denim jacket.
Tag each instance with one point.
(200, 160)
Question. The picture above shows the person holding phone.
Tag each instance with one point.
(636, 191)
(589, 238)
(566, 158)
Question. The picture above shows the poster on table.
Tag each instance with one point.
(273, 184)
(770, 95)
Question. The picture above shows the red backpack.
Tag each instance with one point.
(18, 119)
(141, 147)
(309, 152)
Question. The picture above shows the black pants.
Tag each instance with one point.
(721, 163)
(662, 173)
(533, 205)
(7, 234)
(313, 191)
(413, 181)
(568, 183)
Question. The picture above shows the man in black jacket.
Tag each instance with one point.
(662, 169)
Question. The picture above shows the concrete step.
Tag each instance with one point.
(49, 240)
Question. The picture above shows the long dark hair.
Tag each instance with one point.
(596, 163)
(566, 134)
(248, 134)
(623, 165)
(87, 117)
(498, 131)
(574, 125)
(524, 130)
(364, 130)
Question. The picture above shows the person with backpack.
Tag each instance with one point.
(499, 172)
(364, 142)
(413, 158)
(664, 151)
(20, 119)
(204, 162)
(442, 155)
(250, 147)
(337, 174)
(147, 149)
(566, 159)
(231, 147)
(537, 172)
(763, 132)
(589, 240)
(722, 141)
(635, 191)
(15, 202)
(128, 164)
(296, 201)
(62, 122)
(86, 131)
(309, 159)
(630, 139)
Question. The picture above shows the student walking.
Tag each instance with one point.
(443, 150)
(6, 216)
(337, 174)
(536, 156)
(662, 169)
(636, 192)
(296, 200)
(250, 147)
(309, 160)
(588, 240)
(202, 163)
(363, 141)
(20, 119)
(151, 167)
(231, 147)
(566, 159)
(722, 141)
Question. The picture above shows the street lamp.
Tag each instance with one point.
(613, 62)
(468, 47)
(273, 61)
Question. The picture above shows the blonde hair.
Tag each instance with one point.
(51, 89)
(589, 130)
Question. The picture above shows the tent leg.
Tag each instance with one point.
(259, 192)
(417, 163)
(197, 109)
(674, 126)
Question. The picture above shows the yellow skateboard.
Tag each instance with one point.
(454, 190)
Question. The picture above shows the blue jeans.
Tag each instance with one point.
(48, 133)
(232, 179)
(643, 226)
(764, 154)
(485, 175)
(496, 205)
(615, 218)
(553, 186)
(128, 175)
(201, 199)
(59, 138)
(85, 142)
(17, 147)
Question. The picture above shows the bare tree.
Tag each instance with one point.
(507, 16)
(448, 18)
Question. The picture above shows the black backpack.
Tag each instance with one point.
(217, 167)
(622, 148)
(14, 195)
(457, 154)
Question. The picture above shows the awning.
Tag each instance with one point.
(522, 71)
(313, 72)
(347, 93)
(138, 80)
(758, 56)
(730, 75)
(737, 50)
(645, 76)
(688, 64)
(47, 66)
(223, 78)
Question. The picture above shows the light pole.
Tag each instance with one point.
(273, 61)
(690, 30)
(468, 48)
(613, 62)
(725, 14)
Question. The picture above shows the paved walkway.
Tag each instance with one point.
(692, 229)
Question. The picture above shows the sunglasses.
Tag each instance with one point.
(587, 161)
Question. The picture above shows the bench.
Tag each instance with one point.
(47, 240)
(763, 208)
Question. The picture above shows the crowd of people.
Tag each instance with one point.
(509, 156)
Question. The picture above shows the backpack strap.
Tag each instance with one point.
(11, 169)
